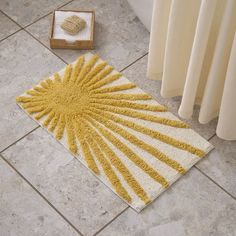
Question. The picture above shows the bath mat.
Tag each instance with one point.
(119, 132)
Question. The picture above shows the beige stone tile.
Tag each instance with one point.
(120, 38)
(7, 26)
(194, 206)
(137, 74)
(25, 212)
(24, 62)
(221, 164)
(85, 201)
(25, 12)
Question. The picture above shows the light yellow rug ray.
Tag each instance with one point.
(119, 132)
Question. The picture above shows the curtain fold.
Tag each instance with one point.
(192, 50)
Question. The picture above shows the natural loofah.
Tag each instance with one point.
(73, 24)
(97, 116)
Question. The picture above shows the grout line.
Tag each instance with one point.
(215, 182)
(68, 62)
(45, 46)
(23, 27)
(207, 176)
(19, 139)
(211, 137)
(41, 195)
(40, 18)
(10, 35)
(11, 19)
(126, 67)
(111, 221)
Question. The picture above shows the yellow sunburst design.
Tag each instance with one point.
(82, 106)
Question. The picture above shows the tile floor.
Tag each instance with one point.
(44, 190)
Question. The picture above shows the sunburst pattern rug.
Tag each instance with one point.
(128, 140)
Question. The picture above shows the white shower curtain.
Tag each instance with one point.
(193, 51)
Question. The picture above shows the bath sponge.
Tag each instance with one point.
(73, 24)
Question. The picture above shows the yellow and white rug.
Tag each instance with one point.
(127, 139)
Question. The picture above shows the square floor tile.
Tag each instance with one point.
(85, 201)
(25, 12)
(24, 62)
(221, 164)
(7, 26)
(120, 38)
(24, 212)
(194, 206)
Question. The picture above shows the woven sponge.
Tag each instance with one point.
(73, 24)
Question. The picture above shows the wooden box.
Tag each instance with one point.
(86, 42)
